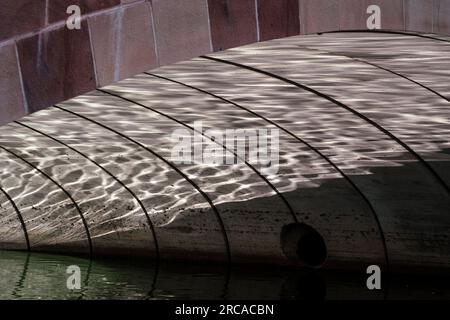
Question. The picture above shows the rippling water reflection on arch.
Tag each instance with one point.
(363, 158)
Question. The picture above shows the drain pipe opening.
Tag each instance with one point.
(304, 244)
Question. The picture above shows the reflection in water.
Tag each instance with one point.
(43, 276)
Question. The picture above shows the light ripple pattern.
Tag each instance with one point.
(366, 194)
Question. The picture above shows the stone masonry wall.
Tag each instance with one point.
(43, 62)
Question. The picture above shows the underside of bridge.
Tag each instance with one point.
(363, 173)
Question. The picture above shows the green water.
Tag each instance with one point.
(44, 276)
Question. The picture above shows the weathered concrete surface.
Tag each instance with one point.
(299, 183)
(419, 119)
(363, 158)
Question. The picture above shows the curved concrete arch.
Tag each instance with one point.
(221, 80)
(219, 114)
(216, 142)
(107, 172)
(100, 213)
(28, 163)
(161, 200)
(362, 192)
(31, 193)
(106, 212)
(344, 106)
(254, 212)
(434, 53)
(315, 150)
(185, 177)
(426, 64)
(436, 37)
(373, 64)
(6, 223)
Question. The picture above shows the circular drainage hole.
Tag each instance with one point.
(303, 243)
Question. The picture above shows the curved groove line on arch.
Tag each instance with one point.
(423, 162)
(315, 150)
(19, 216)
(401, 76)
(107, 172)
(185, 177)
(215, 141)
(63, 190)
(398, 74)
(404, 33)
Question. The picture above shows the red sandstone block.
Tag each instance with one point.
(392, 13)
(352, 14)
(105, 46)
(11, 96)
(56, 65)
(21, 16)
(138, 43)
(441, 17)
(181, 28)
(278, 18)
(419, 15)
(319, 15)
(233, 23)
(123, 43)
(57, 8)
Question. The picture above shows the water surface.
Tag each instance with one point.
(43, 276)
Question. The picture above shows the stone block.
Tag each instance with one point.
(278, 18)
(123, 43)
(56, 65)
(21, 16)
(319, 15)
(419, 15)
(441, 19)
(233, 23)
(181, 28)
(11, 95)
